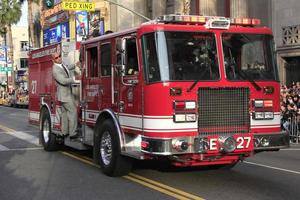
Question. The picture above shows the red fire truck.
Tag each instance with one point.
(192, 90)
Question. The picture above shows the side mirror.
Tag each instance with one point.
(121, 51)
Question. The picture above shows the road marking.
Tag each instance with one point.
(21, 135)
(80, 159)
(174, 192)
(156, 188)
(277, 168)
(166, 187)
(289, 149)
(35, 132)
(21, 149)
(3, 148)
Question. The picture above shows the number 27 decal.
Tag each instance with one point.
(243, 142)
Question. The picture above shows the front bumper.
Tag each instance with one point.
(171, 146)
(273, 141)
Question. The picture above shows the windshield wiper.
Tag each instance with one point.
(246, 77)
(192, 86)
(196, 81)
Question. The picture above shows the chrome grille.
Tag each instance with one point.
(223, 111)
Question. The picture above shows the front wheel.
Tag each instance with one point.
(107, 151)
(47, 138)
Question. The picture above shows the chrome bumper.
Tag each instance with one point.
(273, 141)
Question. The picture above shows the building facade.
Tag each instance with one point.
(123, 18)
(19, 64)
(286, 27)
(281, 16)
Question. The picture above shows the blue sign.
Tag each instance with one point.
(2, 55)
(56, 34)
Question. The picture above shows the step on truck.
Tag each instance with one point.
(193, 90)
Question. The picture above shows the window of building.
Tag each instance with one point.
(23, 63)
(105, 59)
(24, 45)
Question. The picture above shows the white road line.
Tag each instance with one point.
(4, 132)
(3, 148)
(22, 149)
(21, 135)
(289, 149)
(277, 168)
(27, 137)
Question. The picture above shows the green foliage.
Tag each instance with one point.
(10, 12)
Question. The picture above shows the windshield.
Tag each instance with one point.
(182, 56)
(249, 57)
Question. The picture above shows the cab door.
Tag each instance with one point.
(130, 90)
(90, 91)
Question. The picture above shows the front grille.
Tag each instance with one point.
(223, 111)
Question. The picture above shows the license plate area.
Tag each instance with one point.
(216, 144)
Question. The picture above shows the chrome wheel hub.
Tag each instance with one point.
(46, 131)
(106, 148)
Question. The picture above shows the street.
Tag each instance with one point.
(29, 172)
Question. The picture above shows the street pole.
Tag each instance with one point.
(5, 46)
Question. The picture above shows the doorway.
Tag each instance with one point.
(292, 67)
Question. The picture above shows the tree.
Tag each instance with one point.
(31, 35)
(10, 13)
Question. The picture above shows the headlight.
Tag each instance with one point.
(179, 117)
(269, 115)
(263, 115)
(190, 117)
(259, 115)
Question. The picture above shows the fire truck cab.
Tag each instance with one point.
(194, 90)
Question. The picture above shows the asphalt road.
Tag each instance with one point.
(28, 172)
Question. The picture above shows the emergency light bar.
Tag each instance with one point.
(218, 23)
(211, 22)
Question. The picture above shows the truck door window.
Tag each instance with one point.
(105, 59)
(131, 56)
(93, 61)
(249, 56)
(150, 58)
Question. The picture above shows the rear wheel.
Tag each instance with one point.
(107, 151)
(48, 138)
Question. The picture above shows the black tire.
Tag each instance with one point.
(107, 151)
(47, 138)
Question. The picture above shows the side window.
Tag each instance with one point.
(150, 58)
(132, 59)
(105, 60)
(93, 61)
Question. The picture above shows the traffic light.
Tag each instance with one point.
(49, 4)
